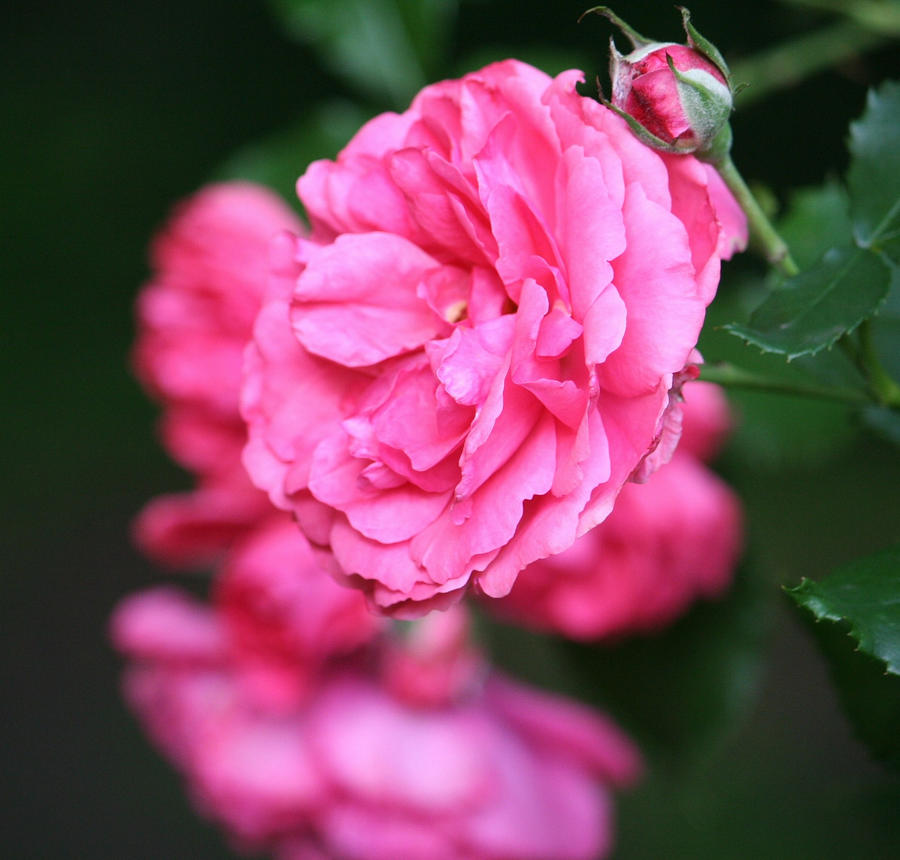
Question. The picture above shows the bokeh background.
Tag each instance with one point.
(111, 112)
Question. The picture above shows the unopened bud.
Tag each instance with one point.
(677, 98)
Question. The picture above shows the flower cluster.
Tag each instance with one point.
(301, 720)
(444, 386)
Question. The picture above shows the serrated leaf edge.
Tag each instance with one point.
(812, 603)
(753, 336)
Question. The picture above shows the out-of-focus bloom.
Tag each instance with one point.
(434, 662)
(194, 319)
(286, 616)
(706, 420)
(475, 350)
(358, 771)
(667, 542)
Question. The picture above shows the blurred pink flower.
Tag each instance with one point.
(194, 319)
(357, 771)
(286, 616)
(666, 543)
(706, 420)
(457, 373)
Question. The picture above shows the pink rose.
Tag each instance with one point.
(491, 771)
(458, 372)
(666, 543)
(194, 320)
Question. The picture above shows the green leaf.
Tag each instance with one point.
(278, 160)
(386, 48)
(826, 301)
(817, 220)
(874, 175)
(679, 691)
(856, 622)
(865, 595)
(814, 309)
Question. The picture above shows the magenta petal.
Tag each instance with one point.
(439, 208)
(290, 400)
(550, 525)
(664, 311)
(373, 747)
(604, 326)
(357, 301)
(387, 516)
(587, 736)
(557, 333)
(469, 361)
(166, 624)
(418, 421)
(592, 227)
(447, 548)
(388, 564)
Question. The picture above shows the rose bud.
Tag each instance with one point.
(676, 98)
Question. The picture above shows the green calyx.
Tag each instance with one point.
(647, 137)
(706, 102)
(703, 46)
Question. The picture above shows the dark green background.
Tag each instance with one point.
(111, 112)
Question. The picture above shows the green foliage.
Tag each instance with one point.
(860, 604)
(773, 430)
(864, 594)
(849, 282)
(387, 49)
(817, 219)
(874, 175)
(814, 309)
(857, 625)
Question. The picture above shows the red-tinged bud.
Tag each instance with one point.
(677, 98)
(685, 110)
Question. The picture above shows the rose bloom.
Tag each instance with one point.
(667, 542)
(474, 351)
(485, 769)
(194, 319)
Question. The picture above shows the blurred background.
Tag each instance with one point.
(111, 113)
